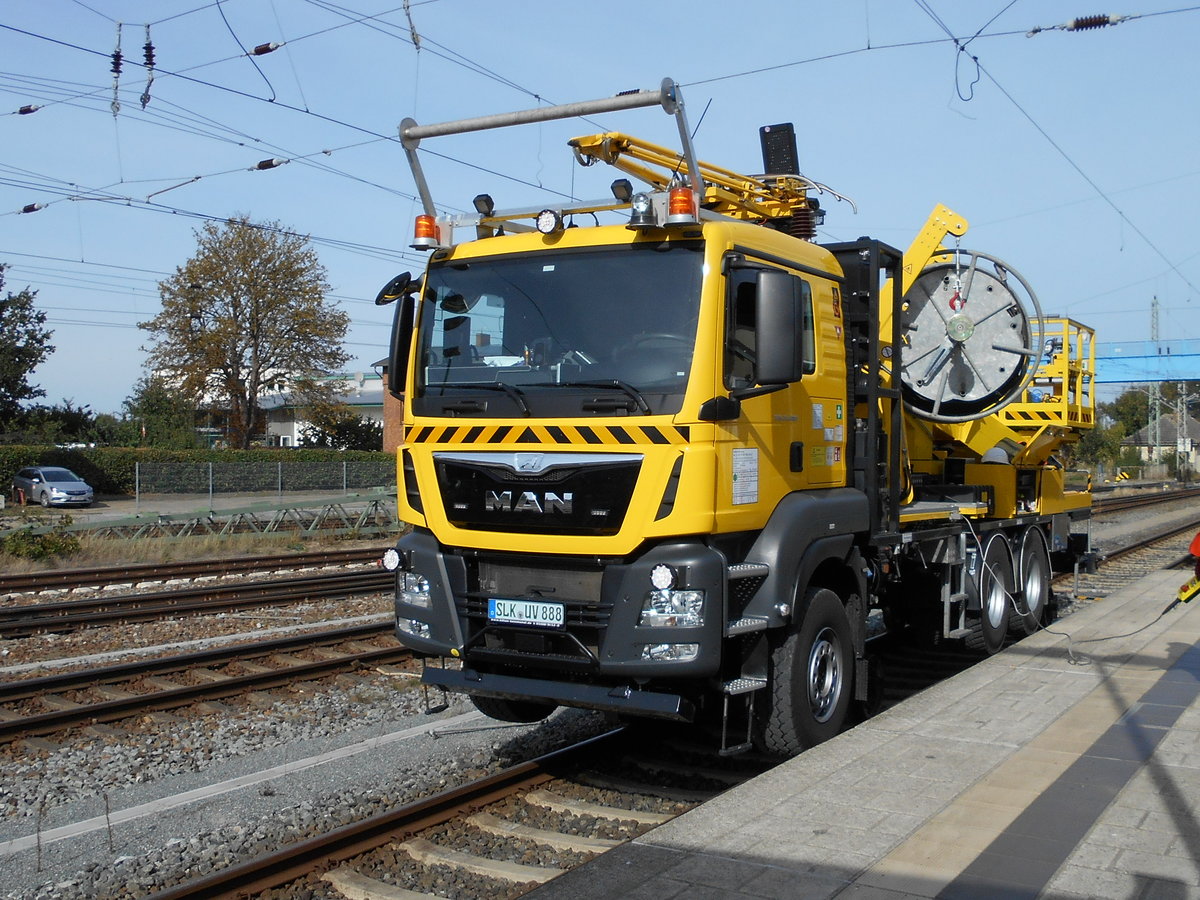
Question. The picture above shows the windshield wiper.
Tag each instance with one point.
(518, 396)
(614, 383)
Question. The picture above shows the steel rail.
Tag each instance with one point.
(317, 853)
(80, 679)
(69, 615)
(135, 704)
(1115, 504)
(103, 575)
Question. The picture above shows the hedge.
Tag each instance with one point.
(110, 470)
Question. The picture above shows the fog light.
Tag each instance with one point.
(391, 559)
(673, 608)
(415, 627)
(677, 652)
(662, 577)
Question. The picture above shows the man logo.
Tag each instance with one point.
(529, 462)
(529, 502)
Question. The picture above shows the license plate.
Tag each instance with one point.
(526, 612)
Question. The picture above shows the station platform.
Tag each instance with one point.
(1052, 769)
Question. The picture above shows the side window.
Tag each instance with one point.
(740, 319)
(808, 337)
(740, 322)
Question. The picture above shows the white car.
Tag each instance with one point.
(50, 486)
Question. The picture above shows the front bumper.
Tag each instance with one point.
(601, 642)
(620, 699)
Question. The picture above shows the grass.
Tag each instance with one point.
(106, 551)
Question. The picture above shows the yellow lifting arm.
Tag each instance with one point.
(725, 191)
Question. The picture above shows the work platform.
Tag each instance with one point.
(1051, 769)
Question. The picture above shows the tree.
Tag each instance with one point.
(24, 345)
(1131, 410)
(338, 427)
(158, 416)
(244, 316)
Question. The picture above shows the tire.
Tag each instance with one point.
(811, 679)
(45, 500)
(995, 597)
(524, 711)
(1033, 577)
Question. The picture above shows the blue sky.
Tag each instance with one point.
(1073, 155)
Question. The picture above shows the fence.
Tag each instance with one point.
(259, 478)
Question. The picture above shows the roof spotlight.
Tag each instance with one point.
(622, 190)
(549, 221)
(483, 204)
(641, 211)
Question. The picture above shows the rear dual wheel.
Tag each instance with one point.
(995, 584)
(1033, 576)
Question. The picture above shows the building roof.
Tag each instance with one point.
(368, 393)
(1168, 430)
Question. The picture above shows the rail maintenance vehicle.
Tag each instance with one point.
(681, 465)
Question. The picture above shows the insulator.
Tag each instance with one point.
(26, 110)
(800, 224)
(33, 207)
(264, 49)
(270, 163)
(148, 54)
(1083, 23)
(117, 56)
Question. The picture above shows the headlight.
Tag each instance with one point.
(685, 608)
(680, 652)
(414, 589)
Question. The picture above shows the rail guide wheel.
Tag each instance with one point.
(972, 337)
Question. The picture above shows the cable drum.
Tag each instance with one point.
(971, 335)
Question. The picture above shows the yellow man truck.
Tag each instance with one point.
(680, 465)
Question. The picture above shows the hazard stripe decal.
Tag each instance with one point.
(576, 435)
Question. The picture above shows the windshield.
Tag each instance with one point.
(560, 333)
(60, 475)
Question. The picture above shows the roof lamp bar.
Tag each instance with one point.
(667, 96)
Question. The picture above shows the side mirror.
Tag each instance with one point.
(778, 328)
(394, 289)
(401, 341)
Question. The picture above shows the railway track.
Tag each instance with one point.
(1116, 504)
(498, 836)
(54, 703)
(134, 573)
(1167, 549)
(70, 615)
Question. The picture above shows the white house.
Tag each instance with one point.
(362, 392)
(1188, 449)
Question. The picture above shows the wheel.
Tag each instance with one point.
(524, 711)
(812, 673)
(1033, 575)
(995, 582)
(45, 500)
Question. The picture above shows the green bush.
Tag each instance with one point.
(111, 470)
(47, 545)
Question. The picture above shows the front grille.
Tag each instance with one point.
(569, 499)
(575, 646)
